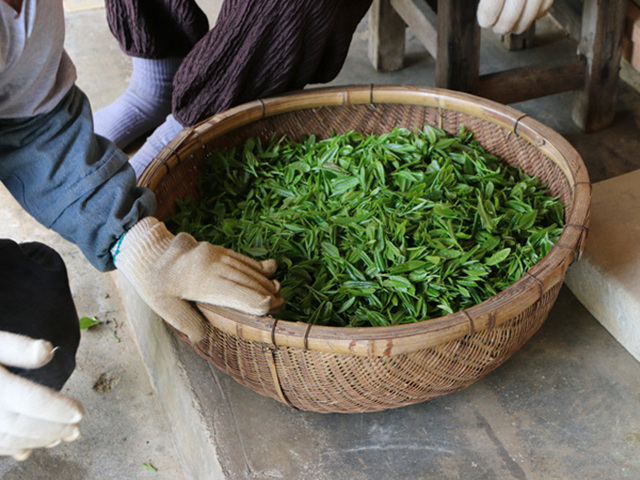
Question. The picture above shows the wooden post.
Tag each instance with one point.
(458, 59)
(520, 41)
(386, 37)
(601, 46)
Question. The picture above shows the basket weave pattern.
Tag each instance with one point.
(352, 383)
(333, 369)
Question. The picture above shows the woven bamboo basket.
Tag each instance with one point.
(341, 369)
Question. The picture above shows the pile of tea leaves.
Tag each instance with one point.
(375, 230)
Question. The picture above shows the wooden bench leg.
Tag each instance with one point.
(520, 41)
(601, 46)
(386, 37)
(458, 59)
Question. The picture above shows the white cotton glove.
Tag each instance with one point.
(171, 272)
(31, 416)
(511, 16)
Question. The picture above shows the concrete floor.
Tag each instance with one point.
(563, 407)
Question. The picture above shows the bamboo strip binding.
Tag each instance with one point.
(333, 369)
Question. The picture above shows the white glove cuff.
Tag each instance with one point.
(142, 244)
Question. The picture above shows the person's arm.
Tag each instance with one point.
(262, 48)
(81, 186)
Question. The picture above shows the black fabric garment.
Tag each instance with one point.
(35, 300)
(257, 48)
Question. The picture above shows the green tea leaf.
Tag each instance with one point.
(150, 467)
(498, 257)
(88, 322)
(375, 230)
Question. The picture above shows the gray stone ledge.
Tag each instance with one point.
(166, 367)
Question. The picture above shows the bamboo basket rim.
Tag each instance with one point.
(398, 339)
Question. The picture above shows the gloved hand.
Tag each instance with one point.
(169, 272)
(31, 416)
(511, 16)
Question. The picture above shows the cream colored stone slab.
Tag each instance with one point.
(607, 279)
(81, 5)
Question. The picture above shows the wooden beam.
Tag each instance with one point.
(458, 59)
(386, 37)
(601, 46)
(525, 83)
(421, 20)
(568, 14)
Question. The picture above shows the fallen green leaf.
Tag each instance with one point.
(88, 322)
(150, 467)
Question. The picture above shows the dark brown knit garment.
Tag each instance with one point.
(257, 47)
(156, 28)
